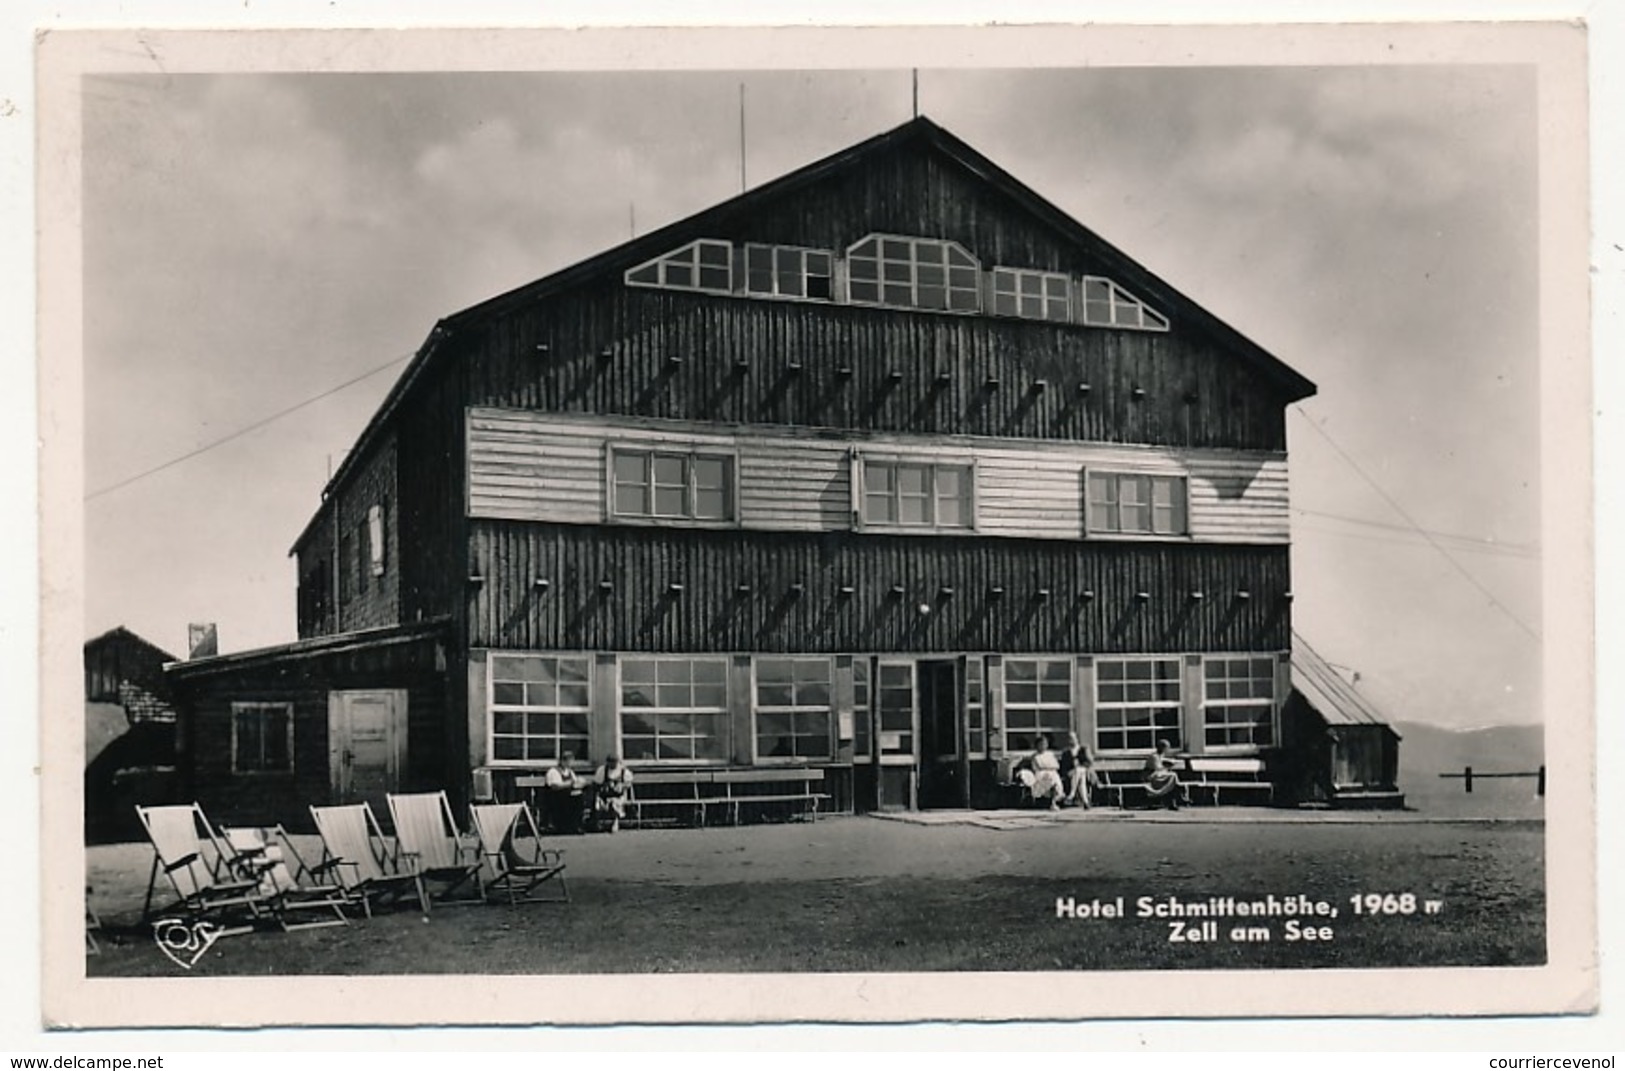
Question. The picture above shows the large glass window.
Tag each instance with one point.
(917, 494)
(1238, 701)
(1037, 295)
(786, 271)
(262, 737)
(862, 742)
(702, 265)
(975, 708)
(674, 709)
(896, 700)
(1105, 304)
(1136, 703)
(915, 273)
(1037, 701)
(671, 484)
(793, 718)
(1138, 504)
(539, 706)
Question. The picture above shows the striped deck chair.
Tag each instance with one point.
(433, 847)
(510, 869)
(359, 860)
(267, 853)
(197, 863)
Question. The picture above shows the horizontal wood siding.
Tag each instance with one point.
(529, 466)
(612, 589)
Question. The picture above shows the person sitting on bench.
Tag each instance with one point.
(1078, 775)
(1161, 782)
(563, 798)
(1044, 769)
(609, 800)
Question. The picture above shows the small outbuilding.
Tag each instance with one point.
(1344, 752)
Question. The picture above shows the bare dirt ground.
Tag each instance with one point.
(870, 894)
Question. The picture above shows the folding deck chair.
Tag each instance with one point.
(357, 859)
(197, 863)
(428, 839)
(267, 853)
(516, 872)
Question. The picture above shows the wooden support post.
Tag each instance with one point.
(1540, 781)
(1467, 775)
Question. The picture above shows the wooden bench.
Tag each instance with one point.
(736, 783)
(1206, 780)
(693, 795)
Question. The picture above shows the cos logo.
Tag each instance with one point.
(184, 942)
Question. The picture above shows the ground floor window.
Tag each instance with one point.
(1037, 701)
(1137, 703)
(896, 708)
(1238, 701)
(539, 706)
(674, 709)
(261, 737)
(862, 741)
(793, 708)
(975, 709)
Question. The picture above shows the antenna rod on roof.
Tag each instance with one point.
(916, 73)
(632, 219)
(741, 137)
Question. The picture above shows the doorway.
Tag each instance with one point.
(366, 734)
(942, 769)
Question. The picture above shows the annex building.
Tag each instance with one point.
(881, 469)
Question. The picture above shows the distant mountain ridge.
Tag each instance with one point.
(1429, 750)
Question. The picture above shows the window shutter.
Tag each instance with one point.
(855, 478)
(375, 538)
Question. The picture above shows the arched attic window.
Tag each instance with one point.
(1105, 304)
(913, 273)
(706, 264)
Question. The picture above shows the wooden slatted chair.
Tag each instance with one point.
(266, 853)
(512, 870)
(357, 858)
(192, 857)
(434, 849)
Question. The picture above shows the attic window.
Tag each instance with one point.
(1037, 295)
(702, 265)
(789, 271)
(1105, 304)
(916, 273)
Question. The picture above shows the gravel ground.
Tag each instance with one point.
(870, 894)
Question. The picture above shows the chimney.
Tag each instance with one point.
(203, 640)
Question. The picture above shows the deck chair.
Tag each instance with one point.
(267, 853)
(433, 848)
(93, 926)
(357, 859)
(197, 863)
(501, 828)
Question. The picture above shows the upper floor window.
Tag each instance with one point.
(1105, 304)
(1037, 295)
(671, 484)
(1137, 504)
(917, 273)
(702, 265)
(786, 271)
(914, 494)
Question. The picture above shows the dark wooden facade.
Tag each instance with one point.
(585, 343)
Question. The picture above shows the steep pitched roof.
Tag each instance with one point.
(919, 130)
(1337, 700)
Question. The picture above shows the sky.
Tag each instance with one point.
(252, 242)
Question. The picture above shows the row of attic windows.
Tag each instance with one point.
(899, 272)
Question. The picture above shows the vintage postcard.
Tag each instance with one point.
(831, 525)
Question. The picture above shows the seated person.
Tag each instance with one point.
(609, 798)
(1161, 782)
(1078, 772)
(1042, 776)
(562, 800)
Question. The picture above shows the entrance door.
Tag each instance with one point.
(896, 728)
(942, 777)
(366, 733)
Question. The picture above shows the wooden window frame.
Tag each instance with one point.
(1038, 706)
(862, 462)
(690, 454)
(1177, 731)
(721, 716)
(801, 253)
(1094, 524)
(1119, 302)
(525, 709)
(1045, 278)
(913, 265)
(261, 707)
(794, 710)
(977, 727)
(664, 264)
(1227, 703)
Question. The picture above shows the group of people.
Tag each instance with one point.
(573, 806)
(1068, 778)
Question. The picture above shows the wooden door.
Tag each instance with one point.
(366, 745)
(896, 733)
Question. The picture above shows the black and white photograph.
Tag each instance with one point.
(994, 525)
